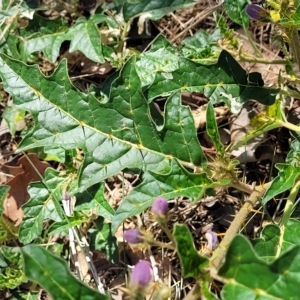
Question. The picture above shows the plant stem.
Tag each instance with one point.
(263, 60)
(168, 232)
(251, 41)
(295, 44)
(290, 202)
(290, 126)
(162, 245)
(219, 254)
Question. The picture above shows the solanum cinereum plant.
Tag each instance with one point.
(118, 128)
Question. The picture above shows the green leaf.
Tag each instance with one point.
(49, 35)
(236, 11)
(101, 238)
(85, 37)
(202, 46)
(41, 205)
(249, 277)
(44, 35)
(191, 261)
(21, 295)
(11, 273)
(51, 272)
(212, 128)
(225, 81)
(266, 246)
(161, 57)
(12, 115)
(274, 240)
(64, 225)
(154, 9)
(283, 181)
(93, 200)
(178, 182)
(120, 133)
(3, 192)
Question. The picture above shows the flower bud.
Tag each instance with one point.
(256, 12)
(212, 239)
(141, 274)
(133, 236)
(160, 207)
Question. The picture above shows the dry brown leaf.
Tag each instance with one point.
(25, 173)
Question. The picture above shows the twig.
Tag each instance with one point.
(199, 17)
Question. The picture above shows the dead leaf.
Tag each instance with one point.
(27, 172)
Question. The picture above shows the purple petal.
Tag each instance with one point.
(141, 274)
(212, 239)
(133, 236)
(256, 12)
(160, 207)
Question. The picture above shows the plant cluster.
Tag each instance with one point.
(91, 134)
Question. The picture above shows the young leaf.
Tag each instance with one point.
(155, 9)
(283, 182)
(93, 200)
(22, 295)
(11, 273)
(114, 135)
(41, 206)
(236, 11)
(178, 182)
(101, 238)
(52, 273)
(212, 128)
(226, 81)
(249, 277)
(274, 240)
(161, 57)
(191, 261)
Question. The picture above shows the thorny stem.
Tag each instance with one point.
(219, 254)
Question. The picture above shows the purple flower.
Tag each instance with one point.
(160, 207)
(141, 274)
(133, 236)
(212, 239)
(256, 12)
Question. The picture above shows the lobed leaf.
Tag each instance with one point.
(249, 277)
(226, 81)
(155, 8)
(50, 34)
(52, 273)
(283, 181)
(191, 261)
(114, 135)
(41, 205)
(236, 11)
(275, 240)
